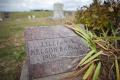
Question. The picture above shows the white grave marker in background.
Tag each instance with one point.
(58, 11)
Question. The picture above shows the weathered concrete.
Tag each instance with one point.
(52, 50)
(58, 11)
(24, 75)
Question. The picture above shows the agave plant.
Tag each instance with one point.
(103, 38)
(93, 63)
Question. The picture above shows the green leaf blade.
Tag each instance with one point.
(117, 69)
(92, 57)
(97, 71)
(89, 71)
(86, 57)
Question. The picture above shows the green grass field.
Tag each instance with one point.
(12, 50)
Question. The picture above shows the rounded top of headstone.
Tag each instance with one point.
(58, 4)
(57, 1)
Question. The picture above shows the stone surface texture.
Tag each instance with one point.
(52, 50)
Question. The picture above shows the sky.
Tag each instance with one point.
(26, 5)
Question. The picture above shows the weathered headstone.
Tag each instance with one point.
(58, 11)
(52, 50)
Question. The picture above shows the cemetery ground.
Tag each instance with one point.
(12, 51)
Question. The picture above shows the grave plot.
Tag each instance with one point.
(52, 50)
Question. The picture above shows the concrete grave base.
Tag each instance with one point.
(24, 75)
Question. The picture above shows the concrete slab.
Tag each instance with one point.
(24, 75)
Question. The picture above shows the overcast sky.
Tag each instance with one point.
(23, 5)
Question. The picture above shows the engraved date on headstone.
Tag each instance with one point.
(53, 49)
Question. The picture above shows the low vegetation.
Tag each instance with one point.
(12, 51)
(102, 33)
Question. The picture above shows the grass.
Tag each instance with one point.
(12, 51)
(38, 14)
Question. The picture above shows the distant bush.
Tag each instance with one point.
(100, 16)
(102, 33)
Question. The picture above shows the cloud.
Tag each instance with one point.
(13, 5)
(68, 4)
(74, 4)
(40, 4)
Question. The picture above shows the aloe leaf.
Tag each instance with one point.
(88, 40)
(91, 35)
(92, 57)
(87, 56)
(80, 34)
(117, 69)
(97, 71)
(82, 31)
(89, 71)
(86, 37)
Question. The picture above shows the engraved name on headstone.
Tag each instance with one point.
(53, 50)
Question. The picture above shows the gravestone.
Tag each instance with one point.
(52, 50)
(58, 11)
